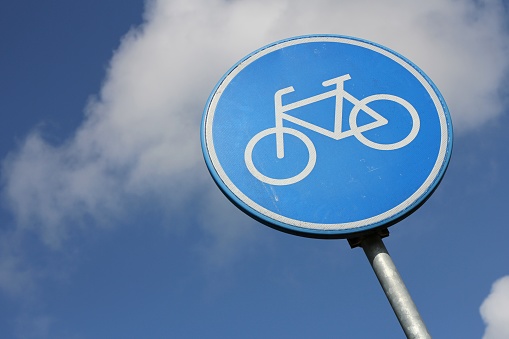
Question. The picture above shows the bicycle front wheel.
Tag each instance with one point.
(357, 131)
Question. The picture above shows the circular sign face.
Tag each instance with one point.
(326, 136)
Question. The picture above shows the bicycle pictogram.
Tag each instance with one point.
(336, 133)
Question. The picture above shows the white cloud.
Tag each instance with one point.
(140, 136)
(495, 310)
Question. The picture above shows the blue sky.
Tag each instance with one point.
(111, 226)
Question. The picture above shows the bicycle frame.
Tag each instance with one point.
(337, 133)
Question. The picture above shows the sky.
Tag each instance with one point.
(111, 227)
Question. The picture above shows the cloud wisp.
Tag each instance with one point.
(494, 310)
(139, 137)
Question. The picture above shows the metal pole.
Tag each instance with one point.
(394, 288)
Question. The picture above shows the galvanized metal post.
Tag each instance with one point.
(394, 288)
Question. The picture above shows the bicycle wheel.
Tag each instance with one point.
(248, 157)
(357, 131)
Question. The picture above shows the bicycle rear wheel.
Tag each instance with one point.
(248, 157)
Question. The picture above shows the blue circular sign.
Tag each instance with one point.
(326, 136)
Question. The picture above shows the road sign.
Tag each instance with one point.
(326, 136)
